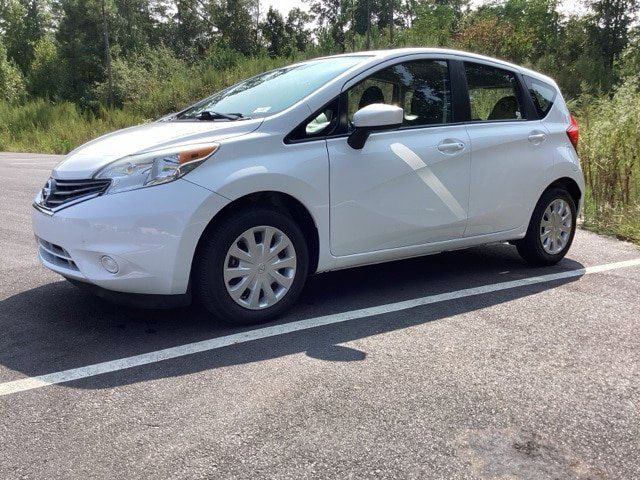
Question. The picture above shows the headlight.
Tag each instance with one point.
(154, 168)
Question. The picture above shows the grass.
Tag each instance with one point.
(40, 126)
(622, 222)
(610, 155)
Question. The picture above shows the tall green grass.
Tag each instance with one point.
(610, 156)
(42, 126)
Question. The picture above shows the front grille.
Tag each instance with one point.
(58, 192)
(56, 255)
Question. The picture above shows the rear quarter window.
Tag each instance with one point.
(542, 94)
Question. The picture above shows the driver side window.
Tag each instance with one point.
(420, 87)
(370, 90)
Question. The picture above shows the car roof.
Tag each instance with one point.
(381, 55)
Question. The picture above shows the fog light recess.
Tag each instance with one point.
(109, 264)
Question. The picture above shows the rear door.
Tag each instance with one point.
(407, 186)
(511, 154)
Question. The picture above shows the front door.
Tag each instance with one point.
(407, 186)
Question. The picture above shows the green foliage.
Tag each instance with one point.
(610, 155)
(297, 28)
(435, 25)
(12, 85)
(40, 126)
(134, 77)
(23, 24)
(235, 25)
(81, 49)
(275, 34)
(45, 77)
(494, 37)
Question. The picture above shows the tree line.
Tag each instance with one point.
(97, 52)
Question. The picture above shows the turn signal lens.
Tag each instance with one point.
(196, 154)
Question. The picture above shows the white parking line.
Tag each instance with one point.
(265, 332)
(37, 163)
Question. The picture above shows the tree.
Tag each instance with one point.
(81, 48)
(610, 29)
(134, 28)
(12, 88)
(434, 25)
(275, 34)
(539, 19)
(191, 27)
(296, 27)
(23, 25)
(490, 36)
(45, 77)
(332, 16)
(234, 23)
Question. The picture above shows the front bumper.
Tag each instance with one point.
(151, 233)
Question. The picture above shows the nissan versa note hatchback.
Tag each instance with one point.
(321, 165)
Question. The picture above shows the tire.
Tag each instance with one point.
(258, 273)
(531, 247)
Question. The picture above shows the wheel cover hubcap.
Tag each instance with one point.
(555, 226)
(260, 267)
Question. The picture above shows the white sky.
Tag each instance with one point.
(566, 6)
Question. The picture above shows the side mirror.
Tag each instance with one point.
(377, 116)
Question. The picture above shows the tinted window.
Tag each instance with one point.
(493, 93)
(542, 95)
(274, 91)
(421, 88)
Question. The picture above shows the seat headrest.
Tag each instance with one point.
(505, 109)
(371, 95)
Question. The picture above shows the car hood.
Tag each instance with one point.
(85, 160)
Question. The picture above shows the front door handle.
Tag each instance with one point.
(537, 137)
(450, 146)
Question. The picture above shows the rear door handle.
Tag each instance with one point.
(450, 146)
(537, 137)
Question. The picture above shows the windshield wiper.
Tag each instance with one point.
(211, 115)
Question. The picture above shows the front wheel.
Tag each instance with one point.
(551, 229)
(251, 267)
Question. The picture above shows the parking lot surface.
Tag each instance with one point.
(509, 380)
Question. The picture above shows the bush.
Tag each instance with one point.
(45, 77)
(137, 76)
(12, 85)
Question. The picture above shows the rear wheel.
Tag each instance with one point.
(551, 229)
(251, 267)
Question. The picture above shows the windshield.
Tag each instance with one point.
(274, 91)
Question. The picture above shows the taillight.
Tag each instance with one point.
(573, 132)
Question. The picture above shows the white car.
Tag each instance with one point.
(325, 164)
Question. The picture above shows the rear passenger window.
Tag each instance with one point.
(493, 93)
(542, 95)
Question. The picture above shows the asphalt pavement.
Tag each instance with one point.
(489, 374)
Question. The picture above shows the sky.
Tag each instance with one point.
(566, 6)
